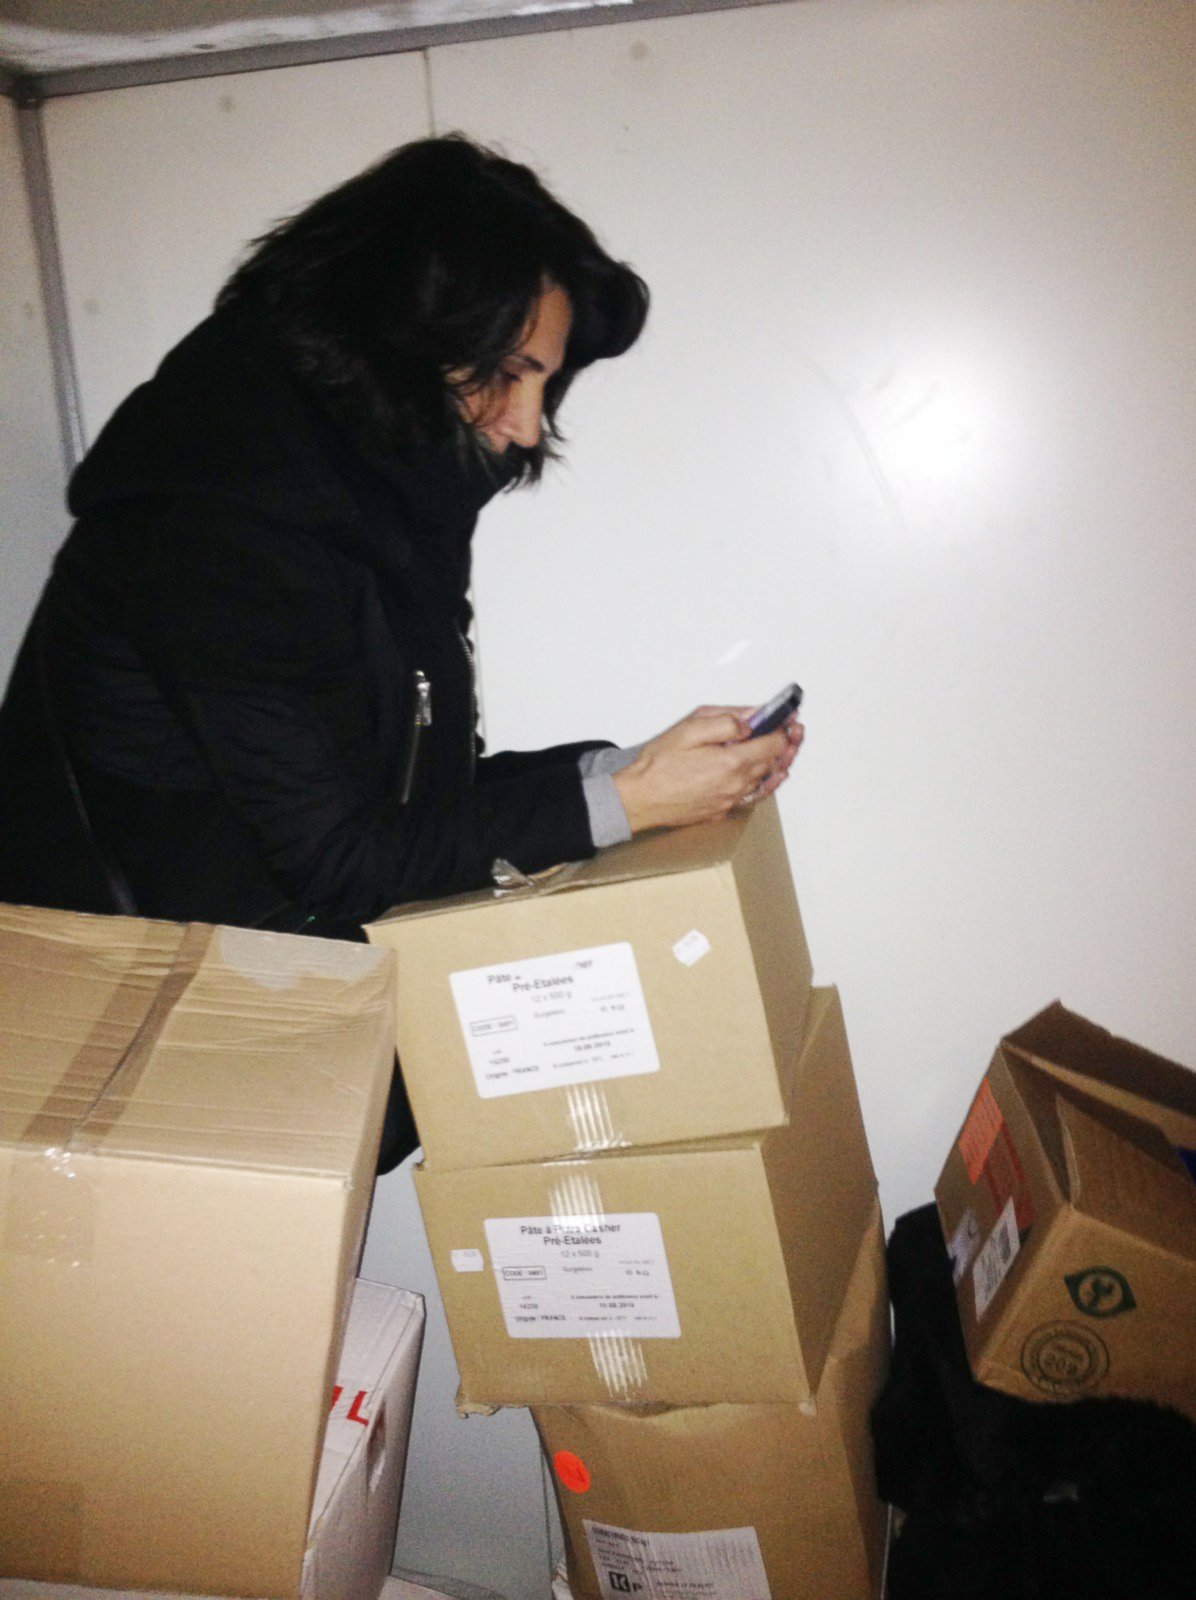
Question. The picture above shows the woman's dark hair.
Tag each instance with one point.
(425, 265)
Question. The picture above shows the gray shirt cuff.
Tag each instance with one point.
(608, 820)
(608, 759)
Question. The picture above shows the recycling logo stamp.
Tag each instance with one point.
(1100, 1292)
(1064, 1358)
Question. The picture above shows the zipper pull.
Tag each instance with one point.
(423, 700)
(421, 719)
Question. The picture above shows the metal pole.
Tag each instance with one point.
(31, 134)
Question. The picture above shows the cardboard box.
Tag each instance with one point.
(188, 1127)
(355, 1511)
(652, 994)
(706, 1271)
(733, 1502)
(351, 1533)
(1070, 1217)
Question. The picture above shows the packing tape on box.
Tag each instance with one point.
(109, 1104)
(508, 879)
(51, 1210)
(52, 1198)
(591, 1121)
(618, 1358)
(281, 961)
(619, 1362)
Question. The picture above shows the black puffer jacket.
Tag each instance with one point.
(240, 647)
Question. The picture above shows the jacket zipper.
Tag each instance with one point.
(467, 648)
(421, 718)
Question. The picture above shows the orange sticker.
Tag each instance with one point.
(1005, 1176)
(980, 1131)
(572, 1471)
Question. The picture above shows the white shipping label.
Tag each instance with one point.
(584, 1276)
(722, 1565)
(963, 1244)
(576, 1017)
(994, 1261)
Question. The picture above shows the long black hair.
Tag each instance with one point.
(410, 285)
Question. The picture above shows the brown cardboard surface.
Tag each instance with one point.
(797, 1478)
(1072, 1220)
(188, 1123)
(714, 946)
(351, 1531)
(712, 1270)
(1076, 1051)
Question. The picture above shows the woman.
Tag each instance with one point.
(247, 694)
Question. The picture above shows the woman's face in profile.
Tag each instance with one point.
(510, 408)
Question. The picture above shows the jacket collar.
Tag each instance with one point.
(222, 418)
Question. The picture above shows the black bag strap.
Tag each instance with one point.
(110, 868)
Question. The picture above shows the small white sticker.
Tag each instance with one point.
(691, 947)
(994, 1261)
(724, 1564)
(580, 1277)
(963, 1244)
(468, 1261)
(554, 1021)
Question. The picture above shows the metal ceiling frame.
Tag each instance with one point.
(201, 63)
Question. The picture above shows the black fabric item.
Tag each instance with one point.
(399, 1136)
(232, 631)
(1006, 1499)
(234, 637)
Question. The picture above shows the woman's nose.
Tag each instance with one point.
(523, 419)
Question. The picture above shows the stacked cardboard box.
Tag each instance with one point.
(772, 1502)
(1069, 1210)
(646, 1179)
(351, 1528)
(188, 1128)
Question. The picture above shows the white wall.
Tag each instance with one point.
(32, 471)
(158, 190)
(912, 422)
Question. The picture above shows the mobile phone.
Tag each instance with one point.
(770, 716)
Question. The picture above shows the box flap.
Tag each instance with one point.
(1125, 1173)
(131, 1037)
(1038, 1093)
(1124, 1074)
(666, 851)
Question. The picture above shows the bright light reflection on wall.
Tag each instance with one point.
(931, 424)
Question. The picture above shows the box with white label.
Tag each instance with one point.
(351, 1531)
(653, 994)
(1069, 1212)
(726, 1502)
(712, 1270)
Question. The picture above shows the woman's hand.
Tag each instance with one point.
(704, 767)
